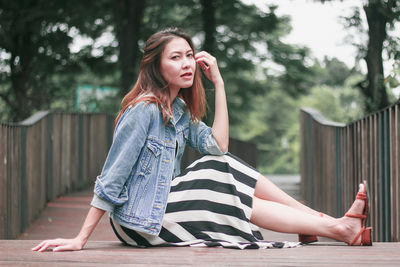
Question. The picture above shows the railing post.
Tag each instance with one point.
(49, 138)
(338, 171)
(23, 192)
(80, 149)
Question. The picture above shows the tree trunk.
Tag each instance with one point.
(209, 28)
(209, 25)
(375, 91)
(128, 18)
(20, 66)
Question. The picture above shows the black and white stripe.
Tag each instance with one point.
(209, 204)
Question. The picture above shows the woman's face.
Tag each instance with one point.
(178, 64)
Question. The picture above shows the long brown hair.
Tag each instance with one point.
(151, 81)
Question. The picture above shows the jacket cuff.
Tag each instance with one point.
(100, 203)
(209, 146)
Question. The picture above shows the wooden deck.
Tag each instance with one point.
(110, 253)
(63, 218)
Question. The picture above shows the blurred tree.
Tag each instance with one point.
(274, 121)
(381, 17)
(43, 39)
(245, 40)
(393, 79)
(379, 14)
(209, 25)
(297, 76)
(128, 18)
(237, 40)
(341, 104)
(268, 125)
(35, 37)
(332, 72)
(263, 76)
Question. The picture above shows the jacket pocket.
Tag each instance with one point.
(151, 151)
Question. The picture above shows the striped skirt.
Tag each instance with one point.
(210, 204)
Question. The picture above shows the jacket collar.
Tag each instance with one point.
(178, 108)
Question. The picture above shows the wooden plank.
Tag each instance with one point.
(99, 144)
(15, 185)
(56, 152)
(111, 253)
(92, 144)
(32, 159)
(66, 162)
(395, 175)
(330, 162)
(374, 188)
(343, 171)
(386, 170)
(68, 212)
(363, 151)
(3, 180)
(347, 169)
(42, 188)
(371, 153)
(351, 173)
(74, 163)
(393, 168)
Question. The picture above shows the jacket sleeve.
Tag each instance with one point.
(129, 138)
(200, 138)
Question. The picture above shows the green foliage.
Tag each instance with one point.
(269, 125)
(381, 16)
(273, 122)
(392, 82)
(331, 72)
(341, 104)
(266, 80)
(237, 37)
(35, 40)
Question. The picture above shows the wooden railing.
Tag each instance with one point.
(335, 158)
(46, 156)
(51, 154)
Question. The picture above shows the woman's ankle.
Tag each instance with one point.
(342, 230)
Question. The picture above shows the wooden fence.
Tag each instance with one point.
(51, 154)
(335, 158)
(46, 156)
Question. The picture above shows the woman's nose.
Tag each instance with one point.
(186, 62)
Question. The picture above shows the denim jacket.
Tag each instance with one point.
(135, 181)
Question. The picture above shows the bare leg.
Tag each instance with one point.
(267, 190)
(281, 218)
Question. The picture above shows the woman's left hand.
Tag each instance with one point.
(209, 65)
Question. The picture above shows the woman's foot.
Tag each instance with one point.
(352, 226)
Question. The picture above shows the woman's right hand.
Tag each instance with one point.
(77, 243)
(60, 244)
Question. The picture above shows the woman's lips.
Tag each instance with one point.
(187, 75)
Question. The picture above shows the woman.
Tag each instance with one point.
(218, 200)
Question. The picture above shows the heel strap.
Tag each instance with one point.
(359, 216)
(361, 196)
(357, 236)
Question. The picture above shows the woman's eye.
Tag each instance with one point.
(175, 57)
(190, 55)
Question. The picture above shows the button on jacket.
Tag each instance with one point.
(144, 157)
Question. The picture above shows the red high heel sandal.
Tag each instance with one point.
(365, 232)
(307, 239)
